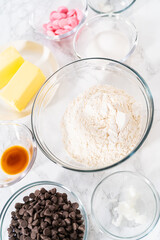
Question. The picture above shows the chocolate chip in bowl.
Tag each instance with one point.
(43, 210)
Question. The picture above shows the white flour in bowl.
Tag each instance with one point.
(101, 126)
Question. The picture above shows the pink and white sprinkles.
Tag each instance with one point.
(62, 21)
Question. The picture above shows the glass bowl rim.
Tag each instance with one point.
(28, 168)
(55, 159)
(157, 202)
(110, 16)
(36, 184)
(67, 34)
(115, 12)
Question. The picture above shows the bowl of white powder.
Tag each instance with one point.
(109, 36)
(128, 206)
(92, 114)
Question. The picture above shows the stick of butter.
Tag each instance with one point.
(23, 85)
(10, 61)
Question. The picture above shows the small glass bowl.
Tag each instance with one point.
(41, 15)
(110, 6)
(125, 205)
(16, 134)
(5, 215)
(109, 36)
(65, 85)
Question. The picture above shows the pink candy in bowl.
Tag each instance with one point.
(58, 19)
(62, 21)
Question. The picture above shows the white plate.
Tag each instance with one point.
(37, 54)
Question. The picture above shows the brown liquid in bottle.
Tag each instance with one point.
(14, 160)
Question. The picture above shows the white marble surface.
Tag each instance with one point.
(146, 60)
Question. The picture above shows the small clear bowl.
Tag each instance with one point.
(5, 215)
(65, 85)
(125, 205)
(110, 6)
(41, 15)
(16, 134)
(109, 36)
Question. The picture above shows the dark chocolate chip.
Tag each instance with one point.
(68, 221)
(46, 195)
(66, 207)
(54, 199)
(46, 232)
(47, 212)
(37, 192)
(43, 190)
(73, 235)
(65, 214)
(30, 211)
(75, 205)
(61, 230)
(55, 216)
(81, 228)
(43, 225)
(18, 205)
(55, 223)
(48, 220)
(36, 216)
(48, 202)
(30, 219)
(72, 215)
(32, 195)
(69, 228)
(23, 223)
(13, 213)
(35, 222)
(75, 226)
(26, 199)
(53, 191)
(53, 232)
(64, 196)
(33, 235)
(61, 236)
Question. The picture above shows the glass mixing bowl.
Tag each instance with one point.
(110, 6)
(18, 196)
(109, 36)
(41, 15)
(125, 205)
(65, 85)
(12, 134)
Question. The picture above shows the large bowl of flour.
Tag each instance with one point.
(92, 114)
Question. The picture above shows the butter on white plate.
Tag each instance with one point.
(23, 85)
(37, 54)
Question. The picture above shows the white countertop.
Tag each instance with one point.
(146, 60)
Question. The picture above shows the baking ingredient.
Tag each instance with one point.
(101, 126)
(14, 160)
(62, 21)
(23, 86)
(110, 44)
(10, 61)
(127, 210)
(46, 215)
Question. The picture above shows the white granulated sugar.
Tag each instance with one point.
(101, 126)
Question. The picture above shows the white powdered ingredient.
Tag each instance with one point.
(101, 126)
